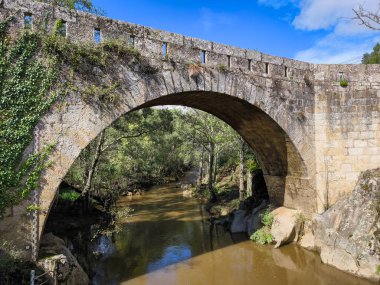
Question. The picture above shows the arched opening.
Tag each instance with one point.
(278, 156)
(269, 141)
(275, 150)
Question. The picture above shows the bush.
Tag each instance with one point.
(263, 235)
(267, 218)
(69, 195)
(343, 83)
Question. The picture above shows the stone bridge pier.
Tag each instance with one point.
(312, 136)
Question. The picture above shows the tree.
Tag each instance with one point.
(81, 5)
(241, 169)
(208, 133)
(373, 57)
(136, 148)
(368, 18)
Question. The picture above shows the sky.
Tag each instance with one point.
(318, 31)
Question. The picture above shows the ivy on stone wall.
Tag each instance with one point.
(26, 79)
(30, 65)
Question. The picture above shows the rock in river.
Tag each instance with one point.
(347, 235)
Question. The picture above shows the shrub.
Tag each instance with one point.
(69, 195)
(267, 218)
(262, 236)
(222, 68)
(343, 83)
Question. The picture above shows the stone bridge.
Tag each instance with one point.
(312, 136)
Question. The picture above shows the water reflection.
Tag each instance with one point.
(169, 241)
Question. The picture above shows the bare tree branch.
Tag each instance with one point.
(367, 18)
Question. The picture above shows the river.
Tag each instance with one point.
(168, 240)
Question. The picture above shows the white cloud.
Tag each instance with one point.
(337, 49)
(345, 41)
(324, 14)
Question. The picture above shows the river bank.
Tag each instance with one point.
(169, 239)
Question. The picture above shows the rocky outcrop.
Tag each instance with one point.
(254, 220)
(348, 234)
(285, 227)
(239, 223)
(248, 222)
(59, 261)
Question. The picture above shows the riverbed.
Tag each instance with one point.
(169, 240)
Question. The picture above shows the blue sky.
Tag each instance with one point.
(319, 31)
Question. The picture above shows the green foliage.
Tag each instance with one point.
(141, 148)
(25, 81)
(82, 5)
(33, 207)
(373, 57)
(343, 83)
(103, 93)
(267, 218)
(76, 55)
(222, 68)
(301, 218)
(262, 236)
(69, 195)
(58, 28)
(378, 270)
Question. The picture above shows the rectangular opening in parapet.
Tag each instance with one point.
(286, 71)
(341, 76)
(250, 64)
(164, 50)
(132, 41)
(229, 61)
(203, 56)
(28, 21)
(267, 68)
(97, 36)
(62, 28)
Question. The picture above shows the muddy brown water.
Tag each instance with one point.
(168, 240)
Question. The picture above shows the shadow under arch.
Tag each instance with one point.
(274, 149)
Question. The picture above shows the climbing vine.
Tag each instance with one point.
(30, 65)
(25, 81)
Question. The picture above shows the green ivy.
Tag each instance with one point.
(26, 78)
(29, 68)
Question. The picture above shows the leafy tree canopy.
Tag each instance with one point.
(81, 5)
(373, 57)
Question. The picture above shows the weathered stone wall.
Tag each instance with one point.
(347, 127)
(311, 136)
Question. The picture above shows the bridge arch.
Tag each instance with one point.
(253, 108)
(319, 135)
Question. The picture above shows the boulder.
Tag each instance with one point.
(58, 258)
(308, 241)
(285, 226)
(239, 222)
(348, 234)
(254, 220)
